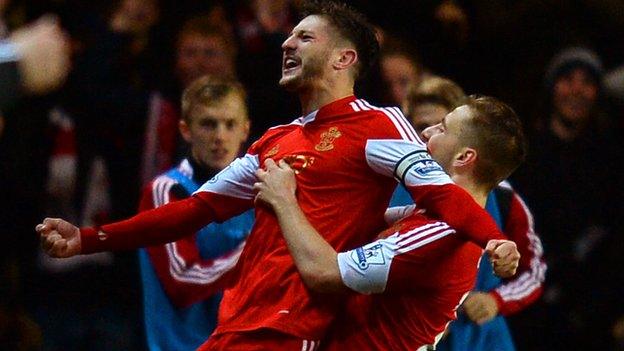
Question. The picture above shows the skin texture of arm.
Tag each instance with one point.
(314, 257)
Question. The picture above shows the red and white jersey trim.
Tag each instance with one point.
(236, 180)
(179, 268)
(395, 115)
(310, 345)
(531, 280)
(366, 269)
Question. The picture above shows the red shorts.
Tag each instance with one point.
(258, 340)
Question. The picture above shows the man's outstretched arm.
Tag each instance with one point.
(228, 194)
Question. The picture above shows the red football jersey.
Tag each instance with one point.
(346, 155)
(419, 272)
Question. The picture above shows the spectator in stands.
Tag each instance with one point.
(399, 70)
(570, 179)
(200, 49)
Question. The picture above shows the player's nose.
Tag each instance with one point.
(427, 133)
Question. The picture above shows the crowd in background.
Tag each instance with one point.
(84, 151)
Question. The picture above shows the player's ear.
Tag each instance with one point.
(466, 156)
(185, 130)
(346, 58)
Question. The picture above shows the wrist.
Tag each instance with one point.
(284, 204)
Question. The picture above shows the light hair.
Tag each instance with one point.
(496, 132)
(208, 91)
(434, 90)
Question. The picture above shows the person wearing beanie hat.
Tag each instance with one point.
(573, 58)
(568, 180)
(573, 82)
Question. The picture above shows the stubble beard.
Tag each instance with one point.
(311, 71)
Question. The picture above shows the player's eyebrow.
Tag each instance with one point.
(300, 32)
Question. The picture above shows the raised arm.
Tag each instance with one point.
(228, 194)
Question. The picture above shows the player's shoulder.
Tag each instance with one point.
(384, 121)
(274, 133)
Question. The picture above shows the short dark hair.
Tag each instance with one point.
(208, 91)
(352, 26)
(496, 132)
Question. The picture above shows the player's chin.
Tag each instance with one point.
(289, 82)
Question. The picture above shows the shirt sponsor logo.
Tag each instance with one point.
(327, 139)
(369, 255)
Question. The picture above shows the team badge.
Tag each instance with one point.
(327, 139)
(272, 152)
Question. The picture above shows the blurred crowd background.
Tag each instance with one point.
(84, 151)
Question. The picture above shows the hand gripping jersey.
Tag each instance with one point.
(419, 271)
(345, 155)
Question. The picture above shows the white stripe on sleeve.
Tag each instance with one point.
(235, 180)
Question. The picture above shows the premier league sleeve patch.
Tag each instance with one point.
(366, 268)
(365, 256)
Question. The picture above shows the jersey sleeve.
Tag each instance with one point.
(184, 275)
(227, 194)
(406, 158)
(367, 269)
(526, 286)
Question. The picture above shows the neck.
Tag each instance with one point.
(478, 192)
(315, 97)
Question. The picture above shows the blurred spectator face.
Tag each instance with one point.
(399, 72)
(135, 16)
(199, 55)
(271, 14)
(306, 51)
(574, 95)
(426, 115)
(216, 132)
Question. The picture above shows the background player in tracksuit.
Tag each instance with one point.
(182, 279)
(481, 325)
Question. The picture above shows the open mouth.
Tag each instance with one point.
(290, 63)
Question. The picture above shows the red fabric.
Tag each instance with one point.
(185, 277)
(167, 131)
(453, 205)
(257, 340)
(64, 141)
(341, 195)
(425, 286)
(161, 225)
(343, 199)
(526, 286)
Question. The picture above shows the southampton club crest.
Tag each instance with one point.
(327, 139)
